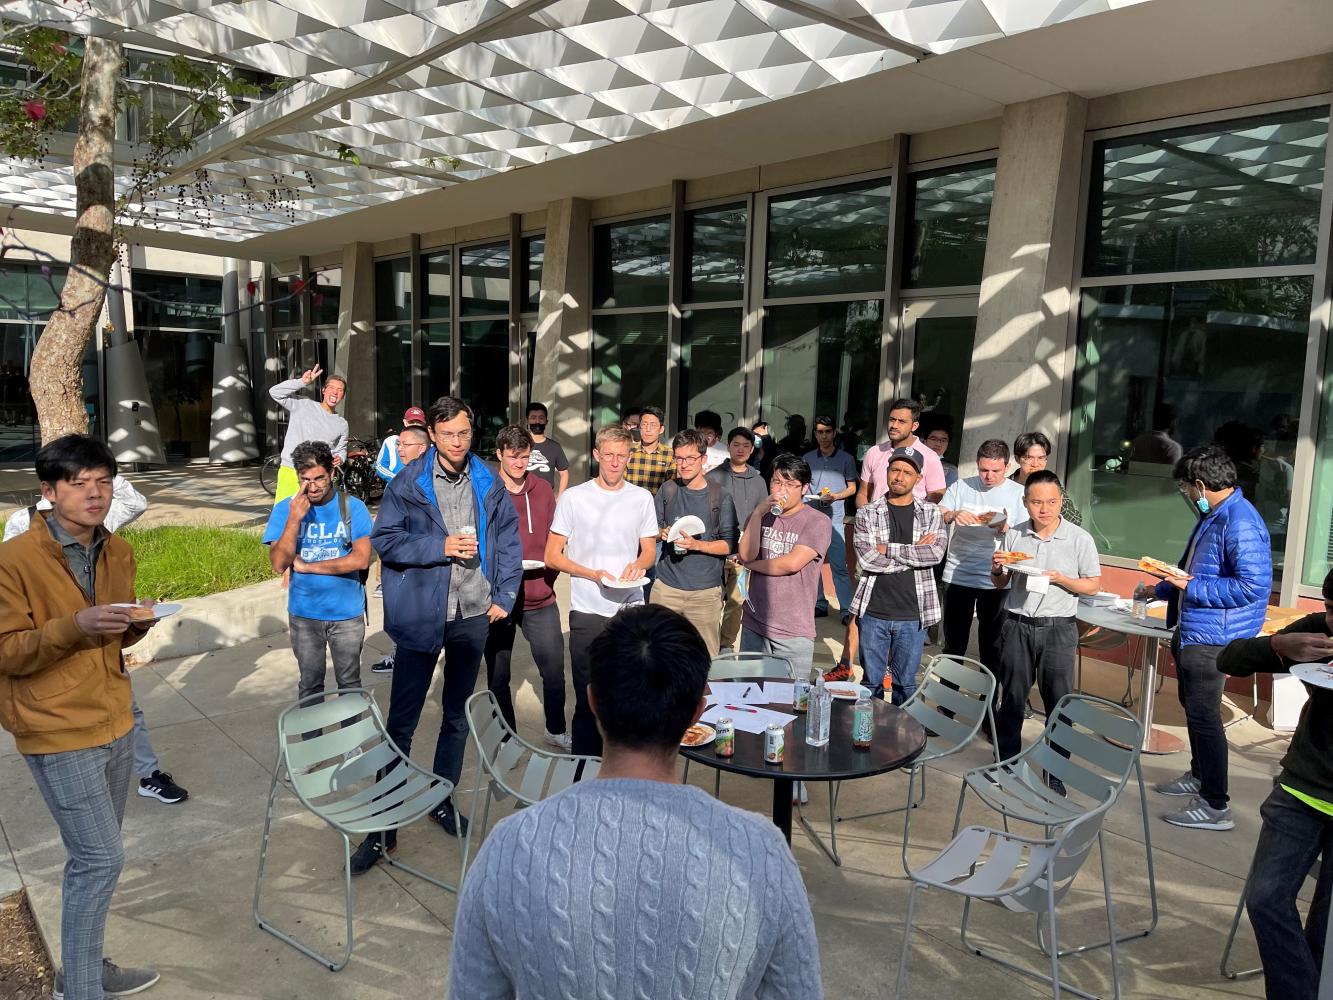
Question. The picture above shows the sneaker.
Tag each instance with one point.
(1186, 784)
(846, 617)
(800, 795)
(116, 982)
(1199, 815)
(561, 741)
(379, 591)
(453, 821)
(159, 785)
(384, 666)
(821, 612)
(1057, 786)
(725, 651)
(372, 850)
(842, 672)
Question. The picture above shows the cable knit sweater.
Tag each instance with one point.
(620, 889)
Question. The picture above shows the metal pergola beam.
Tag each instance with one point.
(874, 35)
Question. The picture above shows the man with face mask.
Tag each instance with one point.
(548, 459)
(1222, 596)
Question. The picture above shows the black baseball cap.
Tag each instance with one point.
(908, 455)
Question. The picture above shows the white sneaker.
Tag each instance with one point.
(561, 741)
(800, 795)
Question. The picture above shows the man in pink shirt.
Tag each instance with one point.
(904, 416)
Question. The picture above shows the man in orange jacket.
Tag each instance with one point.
(66, 586)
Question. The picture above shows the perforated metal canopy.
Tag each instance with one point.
(430, 94)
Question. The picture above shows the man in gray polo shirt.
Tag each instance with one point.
(1039, 636)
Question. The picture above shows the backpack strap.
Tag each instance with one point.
(345, 514)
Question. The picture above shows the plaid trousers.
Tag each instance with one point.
(85, 791)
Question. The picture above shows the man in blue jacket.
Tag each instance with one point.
(448, 536)
(1223, 596)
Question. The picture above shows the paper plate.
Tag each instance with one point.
(1023, 570)
(687, 525)
(699, 735)
(1318, 674)
(533, 564)
(625, 584)
(160, 610)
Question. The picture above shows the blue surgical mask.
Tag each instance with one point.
(1204, 507)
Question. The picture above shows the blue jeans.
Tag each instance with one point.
(898, 646)
(837, 561)
(145, 758)
(85, 791)
(1292, 837)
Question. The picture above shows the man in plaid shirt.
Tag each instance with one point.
(899, 540)
(651, 462)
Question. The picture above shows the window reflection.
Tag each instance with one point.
(710, 364)
(631, 263)
(435, 276)
(715, 239)
(831, 241)
(482, 368)
(393, 290)
(946, 240)
(628, 364)
(534, 255)
(393, 376)
(485, 279)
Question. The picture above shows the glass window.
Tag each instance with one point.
(1282, 443)
(438, 363)
(829, 242)
(1243, 193)
(631, 263)
(179, 369)
(178, 301)
(393, 376)
(629, 356)
(483, 368)
(1163, 368)
(18, 435)
(286, 304)
(946, 238)
(435, 269)
(393, 289)
(710, 364)
(485, 284)
(327, 288)
(942, 370)
(715, 242)
(534, 255)
(821, 359)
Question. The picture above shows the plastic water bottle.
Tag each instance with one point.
(817, 719)
(1142, 594)
(863, 721)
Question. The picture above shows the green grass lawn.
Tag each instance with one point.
(178, 561)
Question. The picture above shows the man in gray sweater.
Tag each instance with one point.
(309, 421)
(634, 885)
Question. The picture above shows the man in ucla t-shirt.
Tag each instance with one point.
(326, 545)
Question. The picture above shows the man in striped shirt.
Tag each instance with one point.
(898, 540)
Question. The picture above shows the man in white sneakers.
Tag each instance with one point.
(604, 536)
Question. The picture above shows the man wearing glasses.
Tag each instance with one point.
(448, 536)
(689, 574)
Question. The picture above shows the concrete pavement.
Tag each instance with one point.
(183, 904)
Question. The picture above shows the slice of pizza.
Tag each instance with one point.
(1158, 567)
(1009, 558)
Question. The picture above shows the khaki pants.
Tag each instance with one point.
(733, 605)
(700, 607)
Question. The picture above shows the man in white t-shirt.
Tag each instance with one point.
(604, 536)
(968, 587)
(900, 428)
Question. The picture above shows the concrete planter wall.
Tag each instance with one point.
(215, 622)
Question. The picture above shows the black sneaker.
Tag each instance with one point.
(384, 666)
(453, 821)
(159, 785)
(1057, 786)
(372, 849)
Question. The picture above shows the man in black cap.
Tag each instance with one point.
(898, 540)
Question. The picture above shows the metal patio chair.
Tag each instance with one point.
(1021, 874)
(344, 768)
(1100, 741)
(500, 752)
(954, 698)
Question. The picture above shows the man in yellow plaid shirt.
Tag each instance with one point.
(651, 462)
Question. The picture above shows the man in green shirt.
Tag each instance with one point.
(1298, 813)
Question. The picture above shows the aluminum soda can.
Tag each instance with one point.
(724, 743)
(800, 695)
(775, 745)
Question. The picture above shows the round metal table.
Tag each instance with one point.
(898, 739)
(1156, 741)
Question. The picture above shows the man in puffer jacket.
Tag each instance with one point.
(1223, 597)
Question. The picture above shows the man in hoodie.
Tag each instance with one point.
(448, 536)
(536, 612)
(1298, 813)
(742, 482)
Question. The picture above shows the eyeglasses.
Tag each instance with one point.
(689, 459)
(454, 435)
(315, 480)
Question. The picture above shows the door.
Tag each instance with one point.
(938, 340)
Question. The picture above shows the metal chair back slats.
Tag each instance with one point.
(1107, 719)
(1069, 770)
(734, 666)
(942, 733)
(332, 782)
(534, 779)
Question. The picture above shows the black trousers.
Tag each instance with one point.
(541, 627)
(959, 605)
(1199, 686)
(1044, 653)
(583, 731)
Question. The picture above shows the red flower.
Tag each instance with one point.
(298, 286)
(251, 288)
(35, 110)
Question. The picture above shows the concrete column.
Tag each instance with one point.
(231, 432)
(1023, 360)
(131, 422)
(356, 339)
(562, 368)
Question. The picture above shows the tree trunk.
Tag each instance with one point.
(56, 376)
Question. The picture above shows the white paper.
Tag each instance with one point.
(735, 692)
(748, 719)
(1038, 584)
(778, 693)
